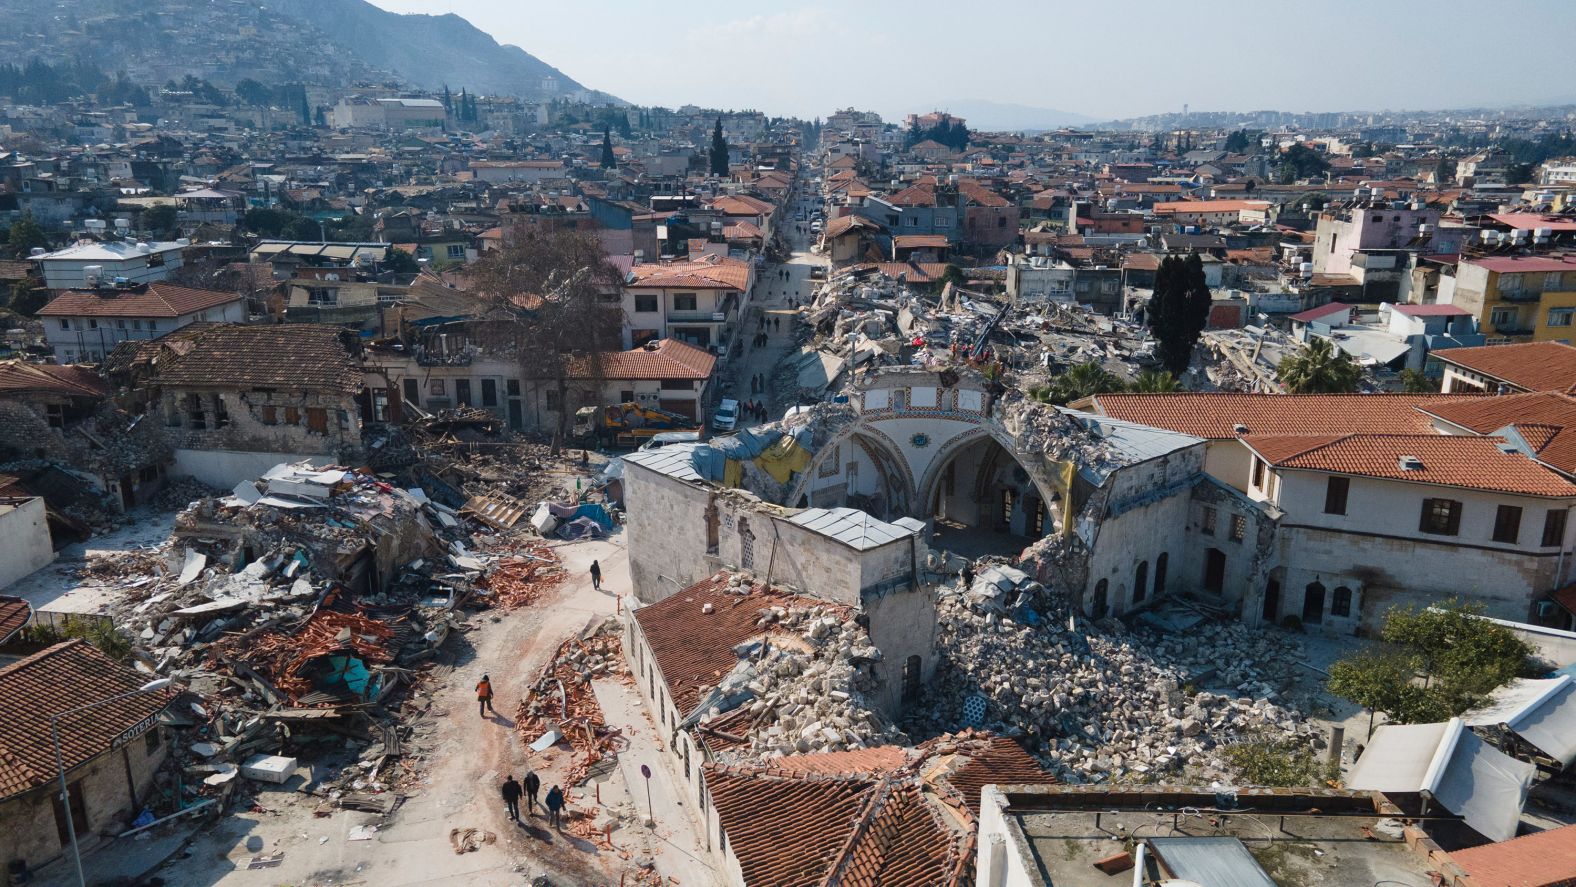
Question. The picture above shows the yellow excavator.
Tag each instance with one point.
(627, 424)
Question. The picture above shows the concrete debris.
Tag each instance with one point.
(1101, 703)
(562, 701)
(802, 687)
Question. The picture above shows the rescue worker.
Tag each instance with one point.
(484, 696)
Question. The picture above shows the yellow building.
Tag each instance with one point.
(1519, 298)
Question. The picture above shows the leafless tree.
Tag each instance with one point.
(554, 299)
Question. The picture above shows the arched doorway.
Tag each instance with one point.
(862, 470)
(1214, 571)
(1313, 603)
(983, 501)
(1141, 582)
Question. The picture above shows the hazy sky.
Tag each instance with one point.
(1105, 59)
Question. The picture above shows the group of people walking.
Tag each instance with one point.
(512, 790)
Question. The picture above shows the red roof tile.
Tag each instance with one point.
(694, 648)
(14, 613)
(1215, 415)
(47, 683)
(665, 359)
(1544, 859)
(1475, 463)
(153, 300)
(1530, 366)
(17, 378)
(711, 273)
(292, 356)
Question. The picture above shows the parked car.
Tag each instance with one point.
(726, 416)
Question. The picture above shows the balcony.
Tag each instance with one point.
(1520, 295)
(696, 317)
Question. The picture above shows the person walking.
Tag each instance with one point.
(555, 806)
(596, 575)
(533, 784)
(511, 797)
(484, 696)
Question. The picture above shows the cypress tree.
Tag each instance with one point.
(608, 161)
(719, 151)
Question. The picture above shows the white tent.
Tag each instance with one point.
(1464, 774)
(1541, 712)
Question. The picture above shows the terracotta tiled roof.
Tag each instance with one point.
(1208, 206)
(843, 224)
(1488, 414)
(710, 273)
(741, 205)
(14, 613)
(1475, 463)
(882, 817)
(694, 648)
(18, 378)
(914, 195)
(48, 682)
(1543, 859)
(1530, 366)
(153, 300)
(920, 241)
(290, 356)
(667, 359)
(1215, 415)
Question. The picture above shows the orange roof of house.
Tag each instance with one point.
(712, 272)
(1546, 420)
(693, 648)
(666, 359)
(1542, 859)
(741, 205)
(69, 674)
(14, 613)
(17, 377)
(920, 241)
(877, 817)
(1215, 415)
(1475, 463)
(843, 224)
(152, 300)
(1530, 366)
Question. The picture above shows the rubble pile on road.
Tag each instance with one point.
(522, 578)
(561, 706)
(1098, 702)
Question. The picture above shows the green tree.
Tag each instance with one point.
(254, 93)
(1079, 381)
(1415, 382)
(1178, 311)
(1239, 141)
(1302, 162)
(608, 160)
(1273, 762)
(401, 262)
(160, 220)
(1440, 662)
(1319, 368)
(1155, 382)
(268, 221)
(25, 236)
(719, 151)
(27, 297)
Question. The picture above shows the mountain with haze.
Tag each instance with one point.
(982, 114)
(331, 43)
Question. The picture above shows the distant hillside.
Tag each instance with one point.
(983, 114)
(332, 43)
(429, 50)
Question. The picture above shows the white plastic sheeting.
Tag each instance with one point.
(1464, 774)
(1542, 712)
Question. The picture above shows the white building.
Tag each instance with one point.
(88, 264)
(82, 326)
(696, 301)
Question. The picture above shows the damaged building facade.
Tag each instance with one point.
(236, 400)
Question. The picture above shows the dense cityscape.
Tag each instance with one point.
(892, 499)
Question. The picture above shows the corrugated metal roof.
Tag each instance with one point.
(1217, 862)
(674, 460)
(850, 526)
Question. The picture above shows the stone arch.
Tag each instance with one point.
(934, 474)
(883, 452)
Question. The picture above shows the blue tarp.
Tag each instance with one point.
(596, 512)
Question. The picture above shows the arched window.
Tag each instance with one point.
(1102, 593)
(1342, 604)
(1313, 603)
(1141, 582)
(1160, 573)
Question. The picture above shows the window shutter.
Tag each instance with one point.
(1455, 519)
(1422, 521)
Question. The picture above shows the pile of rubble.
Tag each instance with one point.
(803, 686)
(1101, 703)
(562, 708)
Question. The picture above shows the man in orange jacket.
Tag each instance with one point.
(484, 696)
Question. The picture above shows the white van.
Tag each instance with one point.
(726, 416)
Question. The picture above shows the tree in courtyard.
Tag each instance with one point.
(608, 161)
(1178, 311)
(719, 151)
(401, 262)
(545, 290)
(1416, 382)
(1155, 382)
(1319, 368)
(1439, 661)
(160, 220)
(25, 236)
